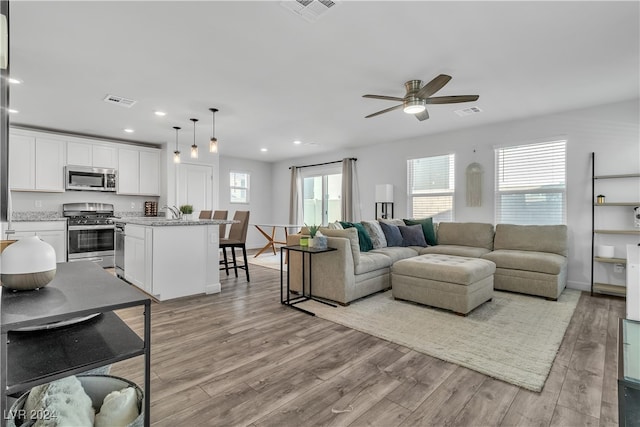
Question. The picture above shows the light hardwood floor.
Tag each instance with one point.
(239, 358)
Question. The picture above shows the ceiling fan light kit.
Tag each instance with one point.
(417, 97)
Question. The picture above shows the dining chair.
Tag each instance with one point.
(237, 239)
(223, 227)
(205, 215)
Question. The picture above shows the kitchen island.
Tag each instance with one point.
(172, 258)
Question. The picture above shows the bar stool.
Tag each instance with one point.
(237, 239)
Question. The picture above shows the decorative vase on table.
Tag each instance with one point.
(312, 242)
(29, 263)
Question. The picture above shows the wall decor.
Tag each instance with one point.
(474, 174)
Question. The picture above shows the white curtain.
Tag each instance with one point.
(295, 198)
(350, 194)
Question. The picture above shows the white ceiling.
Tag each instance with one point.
(276, 77)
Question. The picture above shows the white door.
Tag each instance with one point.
(195, 186)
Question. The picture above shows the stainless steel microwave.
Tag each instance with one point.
(90, 179)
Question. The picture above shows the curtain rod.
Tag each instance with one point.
(322, 164)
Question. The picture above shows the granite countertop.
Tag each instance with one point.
(162, 222)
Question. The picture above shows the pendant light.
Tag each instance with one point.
(213, 143)
(194, 147)
(176, 154)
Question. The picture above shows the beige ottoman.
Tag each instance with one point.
(454, 283)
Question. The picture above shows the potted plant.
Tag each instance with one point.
(186, 210)
(313, 229)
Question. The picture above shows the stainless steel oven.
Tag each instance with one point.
(91, 233)
(119, 249)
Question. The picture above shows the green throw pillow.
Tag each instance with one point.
(427, 229)
(365, 241)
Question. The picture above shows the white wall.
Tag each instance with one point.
(612, 131)
(260, 195)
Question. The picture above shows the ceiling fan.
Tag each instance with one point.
(418, 96)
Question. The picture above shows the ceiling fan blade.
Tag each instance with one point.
(424, 115)
(451, 99)
(433, 86)
(384, 111)
(386, 98)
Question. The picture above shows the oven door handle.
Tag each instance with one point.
(91, 227)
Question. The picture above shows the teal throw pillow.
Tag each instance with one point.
(365, 241)
(427, 229)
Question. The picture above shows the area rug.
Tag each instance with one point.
(267, 260)
(513, 337)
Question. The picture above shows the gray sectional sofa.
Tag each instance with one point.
(529, 259)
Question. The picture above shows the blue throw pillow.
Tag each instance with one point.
(427, 229)
(365, 241)
(391, 233)
(412, 235)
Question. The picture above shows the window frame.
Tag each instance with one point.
(323, 172)
(447, 193)
(533, 190)
(232, 187)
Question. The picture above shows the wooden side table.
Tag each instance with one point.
(309, 252)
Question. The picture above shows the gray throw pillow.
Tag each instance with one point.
(375, 233)
(392, 234)
(412, 235)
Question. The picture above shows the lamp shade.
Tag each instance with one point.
(384, 193)
(27, 264)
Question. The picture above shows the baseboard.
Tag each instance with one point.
(214, 288)
(580, 286)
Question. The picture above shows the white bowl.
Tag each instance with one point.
(604, 251)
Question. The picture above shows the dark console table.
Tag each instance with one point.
(309, 252)
(79, 290)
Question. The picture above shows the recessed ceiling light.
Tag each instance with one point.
(14, 81)
(127, 130)
(159, 113)
(264, 150)
(297, 142)
(12, 111)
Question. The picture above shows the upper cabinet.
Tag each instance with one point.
(138, 171)
(92, 154)
(35, 163)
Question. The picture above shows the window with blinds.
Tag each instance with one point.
(431, 183)
(531, 184)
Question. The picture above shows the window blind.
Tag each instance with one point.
(531, 184)
(431, 183)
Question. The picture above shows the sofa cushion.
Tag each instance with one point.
(445, 268)
(427, 229)
(412, 235)
(541, 262)
(538, 238)
(468, 251)
(397, 253)
(375, 233)
(391, 233)
(392, 221)
(371, 261)
(363, 236)
(351, 234)
(479, 235)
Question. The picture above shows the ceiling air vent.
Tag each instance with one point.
(310, 10)
(468, 111)
(119, 100)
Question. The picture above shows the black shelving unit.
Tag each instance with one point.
(599, 287)
(79, 289)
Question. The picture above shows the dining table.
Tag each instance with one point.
(269, 231)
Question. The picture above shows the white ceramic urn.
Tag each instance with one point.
(29, 263)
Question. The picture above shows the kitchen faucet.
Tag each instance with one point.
(175, 212)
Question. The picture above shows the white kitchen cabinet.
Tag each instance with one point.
(52, 232)
(36, 164)
(90, 154)
(138, 172)
(136, 262)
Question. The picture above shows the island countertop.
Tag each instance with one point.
(162, 222)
